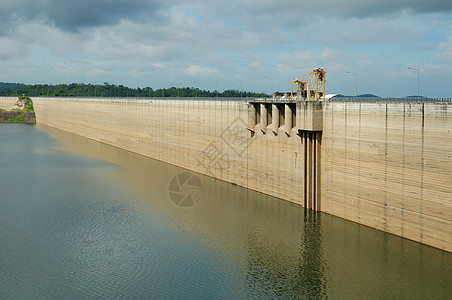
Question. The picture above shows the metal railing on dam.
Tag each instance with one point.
(356, 99)
(141, 99)
(377, 99)
(248, 99)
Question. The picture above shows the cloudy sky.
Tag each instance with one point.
(222, 44)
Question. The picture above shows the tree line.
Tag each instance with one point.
(111, 90)
(10, 85)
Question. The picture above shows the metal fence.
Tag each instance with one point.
(376, 99)
(247, 99)
(142, 99)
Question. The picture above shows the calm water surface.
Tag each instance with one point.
(82, 220)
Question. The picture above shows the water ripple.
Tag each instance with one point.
(73, 226)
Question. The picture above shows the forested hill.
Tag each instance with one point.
(6, 85)
(111, 90)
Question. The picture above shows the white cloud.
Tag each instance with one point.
(446, 50)
(11, 49)
(199, 42)
(346, 8)
(201, 72)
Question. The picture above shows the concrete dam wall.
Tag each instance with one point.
(7, 102)
(384, 165)
(389, 166)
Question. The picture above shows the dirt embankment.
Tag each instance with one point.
(17, 117)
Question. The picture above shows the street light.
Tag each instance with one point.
(356, 83)
(409, 68)
(271, 92)
(240, 87)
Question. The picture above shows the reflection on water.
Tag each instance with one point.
(284, 274)
(312, 278)
(79, 219)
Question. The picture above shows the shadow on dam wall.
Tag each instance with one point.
(381, 164)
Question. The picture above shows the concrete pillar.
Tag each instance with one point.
(262, 119)
(311, 151)
(311, 164)
(305, 167)
(263, 115)
(269, 117)
(318, 178)
(275, 119)
(252, 117)
(288, 119)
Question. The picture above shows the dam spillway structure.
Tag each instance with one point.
(382, 163)
(278, 116)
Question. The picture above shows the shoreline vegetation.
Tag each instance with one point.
(111, 90)
(21, 112)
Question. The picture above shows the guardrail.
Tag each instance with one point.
(144, 99)
(376, 99)
(248, 99)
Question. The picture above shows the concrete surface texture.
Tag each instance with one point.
(389, 166)
(384, 165)
(7, 102)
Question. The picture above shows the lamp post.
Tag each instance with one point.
(240, 87)
(271, 92)
(409, 68)
(356, 83)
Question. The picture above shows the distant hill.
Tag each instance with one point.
(9, 85)
(359, 96)
(368, 96)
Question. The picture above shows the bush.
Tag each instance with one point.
(18, 119)
(28, 103)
